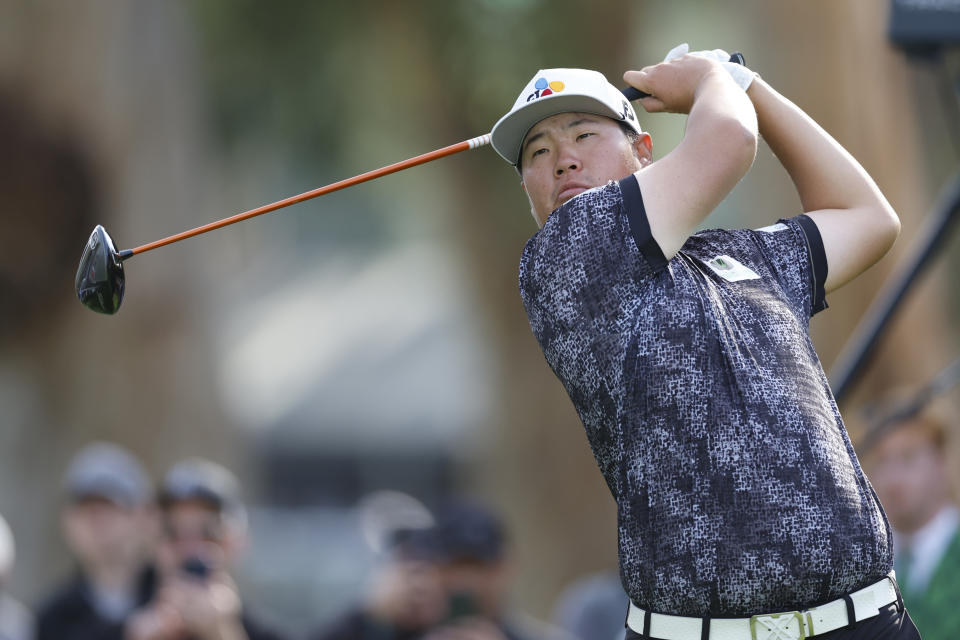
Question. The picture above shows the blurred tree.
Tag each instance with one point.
(41, 224)
(97, 116)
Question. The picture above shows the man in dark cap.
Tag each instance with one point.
(405, 598)
(471, 551)
(108, 524)
(203, 529)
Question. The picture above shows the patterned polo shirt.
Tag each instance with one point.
(738, 491)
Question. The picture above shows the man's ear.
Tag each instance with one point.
(643, 148)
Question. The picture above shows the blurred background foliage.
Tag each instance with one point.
(374, 338)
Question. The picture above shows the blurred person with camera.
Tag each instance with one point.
(203, 531)
(470, 549)
(906, 458)
(16, 621)
(405, 597)
(109, 527)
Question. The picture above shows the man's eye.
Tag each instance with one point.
(538, 152)
(584, 135)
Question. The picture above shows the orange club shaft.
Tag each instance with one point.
(472, 143)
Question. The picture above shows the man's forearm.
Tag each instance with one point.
(825, 174)
(856, 223)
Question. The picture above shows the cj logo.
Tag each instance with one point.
(542, 88)
(627, 111)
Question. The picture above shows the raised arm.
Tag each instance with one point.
(718, 147)
(857, 224)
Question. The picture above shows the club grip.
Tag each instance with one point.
(631, 93)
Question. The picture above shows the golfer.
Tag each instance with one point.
(742, 509)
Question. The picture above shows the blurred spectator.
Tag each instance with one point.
(469, 543)
(405, 598)
(16, 621)
(592, 608)
(109, 528)
(905, 455)
(203, 531)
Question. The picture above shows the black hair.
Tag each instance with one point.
(629, 131)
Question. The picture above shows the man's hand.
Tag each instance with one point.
(740, 74)
(673, 85)
(158, 621)
(209, 609)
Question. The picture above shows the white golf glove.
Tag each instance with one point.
(740, 74)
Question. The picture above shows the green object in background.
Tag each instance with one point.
(935, 610)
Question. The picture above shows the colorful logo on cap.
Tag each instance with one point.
(544, 88)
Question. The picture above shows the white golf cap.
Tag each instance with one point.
(107, 470)
(554, 91)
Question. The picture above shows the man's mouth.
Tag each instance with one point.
(570, 191)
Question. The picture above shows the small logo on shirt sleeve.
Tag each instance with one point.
(731, 270)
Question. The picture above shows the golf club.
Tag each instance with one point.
(100, 279)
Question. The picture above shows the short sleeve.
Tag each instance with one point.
(794, 248)
(639, 224)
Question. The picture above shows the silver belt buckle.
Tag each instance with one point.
(778, 626)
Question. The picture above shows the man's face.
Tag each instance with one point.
(909, 474)
(568, 153)
(408, 594)
(486, 585)
(100, 532)
(194, 530)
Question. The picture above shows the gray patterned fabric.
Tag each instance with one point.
(707, 410)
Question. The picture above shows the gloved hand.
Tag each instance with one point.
(740, 74)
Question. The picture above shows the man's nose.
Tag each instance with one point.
(566, 161)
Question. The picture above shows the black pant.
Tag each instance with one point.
(892, 623)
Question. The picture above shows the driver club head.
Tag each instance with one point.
(100, 275)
